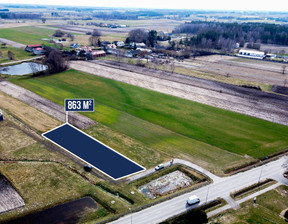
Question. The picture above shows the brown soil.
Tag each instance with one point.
(258, 71)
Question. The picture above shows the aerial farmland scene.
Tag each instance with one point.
(153, 112)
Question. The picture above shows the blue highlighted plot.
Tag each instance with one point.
(92, 151)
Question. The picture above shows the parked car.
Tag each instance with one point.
(285, 174)
(159, 167)
(87, 168)
(192, 200)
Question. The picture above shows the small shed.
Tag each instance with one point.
(30, 48)
(1, 116)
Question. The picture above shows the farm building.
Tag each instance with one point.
(251, 54)
(1, 116)
(30, 48)
(38, 51)
(96, 54)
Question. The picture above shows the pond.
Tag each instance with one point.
(23, 69)
(70, 212)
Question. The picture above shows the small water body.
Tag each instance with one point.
(23, 69)
(68, 213)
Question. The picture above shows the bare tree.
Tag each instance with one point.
(11, 55)
(54, 60)
(138, 35)
(58, 33)
(71, 36)
(94, 40)
(172, 65)
(283, 68)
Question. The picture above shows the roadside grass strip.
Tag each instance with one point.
(92, 152)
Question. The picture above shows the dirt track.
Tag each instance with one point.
(251, 102)
(9, 198)
(44, 105)
(12, 43)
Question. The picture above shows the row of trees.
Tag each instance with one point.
(225, 35)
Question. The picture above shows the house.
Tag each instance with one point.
(86, 49)
(105, 43)
(1, 116)
(120, 43)
(144, 50)
(38, 51)
(140, 45)
(128, 54)
(113, 46)
(30, 48)
(251, 54)
(74, 45)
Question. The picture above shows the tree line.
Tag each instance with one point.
(218, 35)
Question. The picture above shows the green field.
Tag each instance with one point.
(213, 138)
(20, 54)
(26, 35)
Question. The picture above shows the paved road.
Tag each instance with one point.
(220, 188)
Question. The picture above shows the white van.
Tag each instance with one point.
(193, 200)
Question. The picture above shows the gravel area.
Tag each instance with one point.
(45, 105)
(166, 184)
(267, 106)
(9, 198)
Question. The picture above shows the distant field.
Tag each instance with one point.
(26, 35)
(211, 137)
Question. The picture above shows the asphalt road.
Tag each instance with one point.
(221, 188)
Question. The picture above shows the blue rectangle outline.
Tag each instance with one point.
(98, 142)
(79, 110)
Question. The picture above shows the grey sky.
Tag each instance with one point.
(275, 5)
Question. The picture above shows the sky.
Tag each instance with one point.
(258, 5)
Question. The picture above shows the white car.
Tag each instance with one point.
(159, 167)
(193, 200)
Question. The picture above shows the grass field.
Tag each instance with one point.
(211, 137)
(265, 211)
(40, 190)
(20, 54)
(26, 35)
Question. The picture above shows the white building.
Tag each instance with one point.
(251, 54)
(1, 116)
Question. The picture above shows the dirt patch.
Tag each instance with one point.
(9, 198)
(43, 105)
(247, 101)
(167, 184)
